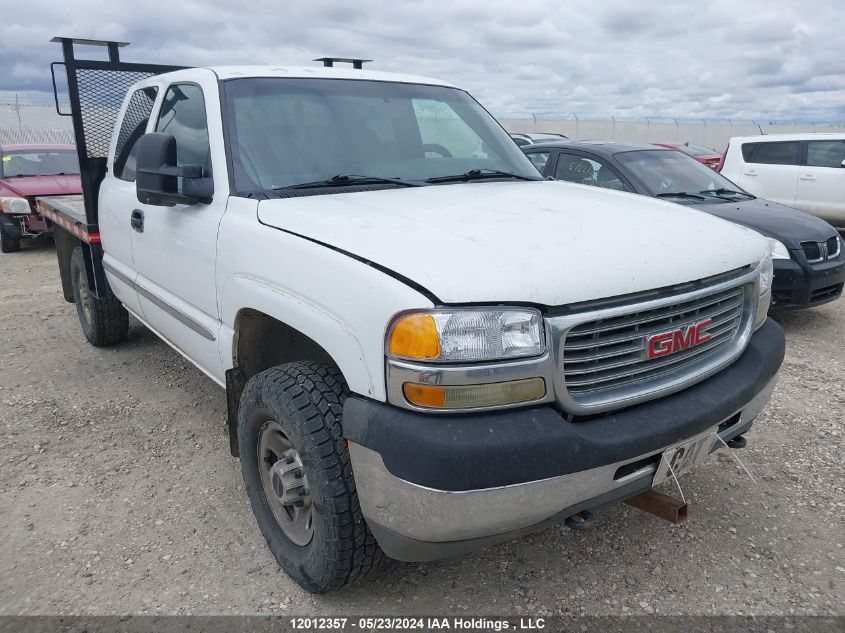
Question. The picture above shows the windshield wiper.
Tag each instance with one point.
(480, 174)
(24, 176)
(680, 194)
(722, 191)
(346, 180)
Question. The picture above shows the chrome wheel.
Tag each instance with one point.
(285, 484)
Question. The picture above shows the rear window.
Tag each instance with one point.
(826, 153)
(780, 153)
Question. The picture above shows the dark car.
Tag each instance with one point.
(809, 261)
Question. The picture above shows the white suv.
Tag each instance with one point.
(806, 171)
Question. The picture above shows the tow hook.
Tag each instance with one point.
(737, 442)
(581, 521)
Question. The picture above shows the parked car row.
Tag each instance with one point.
(809, 262)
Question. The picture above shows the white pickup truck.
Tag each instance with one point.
(426, 347)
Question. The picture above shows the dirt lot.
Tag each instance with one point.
(118, 495)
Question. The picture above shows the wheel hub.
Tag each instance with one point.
(288, 479)
(285, 484)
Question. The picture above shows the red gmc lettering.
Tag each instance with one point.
(683, 338)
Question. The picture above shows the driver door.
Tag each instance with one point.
(175, 247)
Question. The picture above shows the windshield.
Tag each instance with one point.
(285, 132)
(665, 171)
(18, 164)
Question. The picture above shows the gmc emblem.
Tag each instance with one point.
(666, 343)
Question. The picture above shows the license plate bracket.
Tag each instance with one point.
(684, 456)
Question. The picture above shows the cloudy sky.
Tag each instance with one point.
(702, 58)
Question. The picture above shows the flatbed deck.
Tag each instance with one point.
(68, 212)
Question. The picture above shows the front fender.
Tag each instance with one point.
(341, 303)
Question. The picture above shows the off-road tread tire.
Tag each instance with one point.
(306, 398)
(109, 323)
(9, 244)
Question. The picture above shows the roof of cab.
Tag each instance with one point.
(320, 72)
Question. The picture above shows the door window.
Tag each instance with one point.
(587, 171)
(782, 153)
(539, 159)
(183, 115)
(132, 127)
(825, 153)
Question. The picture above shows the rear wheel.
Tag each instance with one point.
(299, 478)
(104, 320)
(9, 244)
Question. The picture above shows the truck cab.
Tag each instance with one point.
(426, 347)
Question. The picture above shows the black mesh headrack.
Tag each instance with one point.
(96, 90)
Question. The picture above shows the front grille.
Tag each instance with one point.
(608, 356)
(812, 251)
(833, 246)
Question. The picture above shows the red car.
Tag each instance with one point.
(703, 155)
(27, 171)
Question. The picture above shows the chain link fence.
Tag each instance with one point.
(33, 123)
(28, 121)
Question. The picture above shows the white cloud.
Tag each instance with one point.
(768, 59)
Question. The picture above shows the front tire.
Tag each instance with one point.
(298, 475)
(9, 244)
(104, 321)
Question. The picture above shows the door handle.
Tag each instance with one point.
(137, 220)
(807, 177)
(749, 172)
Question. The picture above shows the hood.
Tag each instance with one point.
(542, 242)
(41, 186)
(783, 223)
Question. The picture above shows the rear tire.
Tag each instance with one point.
(9, 244)
(104, 321)
(300, 405)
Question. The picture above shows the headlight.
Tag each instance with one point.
(778, 249)
(466, 335)
(766, 272)
(14, 205)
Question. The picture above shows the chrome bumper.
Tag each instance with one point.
(437, 516)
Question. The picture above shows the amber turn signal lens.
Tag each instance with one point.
(474, 396)
(429, 396)
(415, 336)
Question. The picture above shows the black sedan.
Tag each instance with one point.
(808, 253)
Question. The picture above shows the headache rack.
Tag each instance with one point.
(96, 89)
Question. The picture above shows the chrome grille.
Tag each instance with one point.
(605, 359)
(833, 246)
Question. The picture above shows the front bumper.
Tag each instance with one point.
(437, 486)
(799, 284)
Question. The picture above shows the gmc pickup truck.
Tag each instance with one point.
(425, 346)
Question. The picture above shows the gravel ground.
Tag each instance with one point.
(118, 495)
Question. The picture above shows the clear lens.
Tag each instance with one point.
(479, 335)
(14, 205)
(766, 270)
(475, 396)
(778, 249)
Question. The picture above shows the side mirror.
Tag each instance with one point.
(160, 181)
(843, 164)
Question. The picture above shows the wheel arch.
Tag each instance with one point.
(270, 328)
